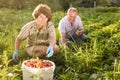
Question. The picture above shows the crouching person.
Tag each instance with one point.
(40, 34)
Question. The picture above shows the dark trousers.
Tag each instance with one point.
(74, 38)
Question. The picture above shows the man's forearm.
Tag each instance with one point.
(82, 30)
(63, 41)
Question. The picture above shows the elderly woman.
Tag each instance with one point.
(40, 34)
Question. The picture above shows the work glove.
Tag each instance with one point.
(49, 51)
(15, 55)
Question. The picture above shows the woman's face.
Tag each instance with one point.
(42, 19)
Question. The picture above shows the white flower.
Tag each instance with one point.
(10, 74)
(0, 65)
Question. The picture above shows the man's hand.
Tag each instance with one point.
(49, 51)
(15, 55)
(79, 32)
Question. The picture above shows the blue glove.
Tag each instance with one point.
(15, 55)
(49, 51)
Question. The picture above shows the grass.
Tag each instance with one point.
(95, 59)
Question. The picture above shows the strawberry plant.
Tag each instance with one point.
(97, 58)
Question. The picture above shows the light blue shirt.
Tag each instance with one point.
(66, 27)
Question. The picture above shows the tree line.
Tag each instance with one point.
(56, 4)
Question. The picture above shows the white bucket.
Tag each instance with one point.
(30, 73)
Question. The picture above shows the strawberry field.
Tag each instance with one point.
(97, 58)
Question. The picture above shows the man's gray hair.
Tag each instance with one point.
(72, 9)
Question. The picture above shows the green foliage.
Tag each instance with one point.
(28, 4)
(95, 59)
(57, 16)
(57, 5)
(107, 9)
(8, 72)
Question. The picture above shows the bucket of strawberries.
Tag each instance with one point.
(38, 69)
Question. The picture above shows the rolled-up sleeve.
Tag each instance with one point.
(51, 30)
(61, 27)
(80, 25)
(24, 32)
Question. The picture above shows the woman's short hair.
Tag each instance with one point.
(44, 9)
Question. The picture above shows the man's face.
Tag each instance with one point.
(72, 16)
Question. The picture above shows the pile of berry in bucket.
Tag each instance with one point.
(38, 63)
(37, 69)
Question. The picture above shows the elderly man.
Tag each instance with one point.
(71, 28)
